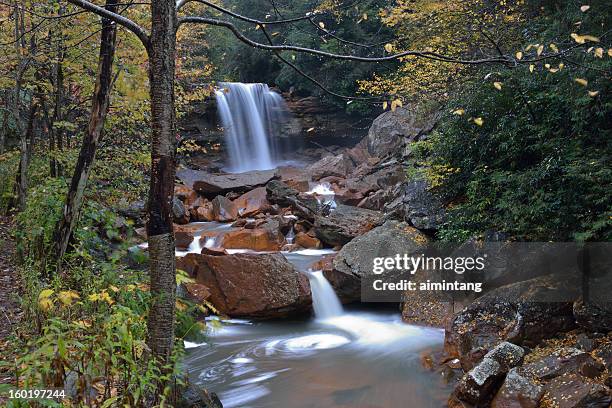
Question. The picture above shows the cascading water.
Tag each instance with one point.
(252, 116)
(324, 300)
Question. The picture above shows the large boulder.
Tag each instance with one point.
(224, 209)
(575, 391)
(594, 316)
(252, 202)
(306, 206)
(515, 312)
(518, 391)
(259, 286)
(266, 236)
(387, 240)
(392, 129)
(213, 184)
(563, 361)
(338, 166)
(346, 285)
(421, 208)
(345, 223)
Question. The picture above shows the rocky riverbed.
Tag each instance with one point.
(503, 349)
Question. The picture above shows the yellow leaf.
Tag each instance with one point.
(479, 121)
(45, 304)
(553, 70)
(530, 46)
(321, 25)
(389, 47)
(519, 55)
(590, 38)
(396, 103)
(554, 47)
(593, 93)
(578, 38)
(385, 105)
(274, 34)
(531, 68)
(609, 52)
(45, 294)
(459, 112)
(581, 81)
(114, 288)
(310, 130)
(584, 8)
(547, 66)
(561, 65)
(257, 27)
(540, 49)
(365, 16)
(94, 297)
(599, 52)
(67, 296)
(497, 85)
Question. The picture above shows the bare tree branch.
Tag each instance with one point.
(117, 18)
(308, 16)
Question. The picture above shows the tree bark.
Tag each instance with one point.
(91, 139)
(5, 128)
(162, 51)
(24, 158)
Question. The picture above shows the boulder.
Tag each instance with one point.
(593, 316)
(182, 239)
(223, 209)
(514, 313)
(477, 386)
(563, 361)
(305, 206)
(421, 208)
(214, 184)
(389, 239)
(345, 223)
(265, 238)
(307, 241)
(518, 391)
(339, 166)
(575, 391)
(393, 129)
(192, 396)
(252, 202)
(252, 285)
(205, 213)
(180, 214)
(346, 285)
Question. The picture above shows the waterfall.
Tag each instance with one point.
(290, 236)
(252, 116)
(324, 300)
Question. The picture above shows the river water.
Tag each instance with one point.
(338, 359)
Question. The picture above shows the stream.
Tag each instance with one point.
(340, 358)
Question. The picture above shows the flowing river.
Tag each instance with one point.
(352, 358)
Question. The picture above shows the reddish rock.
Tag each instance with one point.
(295, 178)
(518, 391)
(345, 223)
(339, 166)
(215, 251)
(575, 391)
(348, 196)
(187, 227)
(563, 361)
(182, 239)
(253, 285)
(204, 213)
(307, 241)
(252, 203)
(257, 239)
(185, 194)
(223, 209)
(211, 184)
(197, 292)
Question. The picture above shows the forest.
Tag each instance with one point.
(194, 196)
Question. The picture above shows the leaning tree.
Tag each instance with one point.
(160, 43)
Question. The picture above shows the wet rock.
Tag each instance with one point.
(392, 129)
(593, 316)
(307, 241)
(182, 239)
(252, 202)
(508, 355)
(563, 361)
(295, 178)
(604, 354)
(256, 239)
(305, 206)
(223, 209)
(339, 166)
(478, 385)
(389, 239)
(180, 214)
(518, 391)
(213, 184)
(193, 396)
(575, 391)
(345, 223)
(374, 201)
(135, 211)
(513, 313)
(253, 285)
(348, 196)
(421, 208)
(215, 251)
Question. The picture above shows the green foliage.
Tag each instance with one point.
(528, 153)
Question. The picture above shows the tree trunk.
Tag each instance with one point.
(5, 128)
(162, 50)
(24, 159)
(99, 109)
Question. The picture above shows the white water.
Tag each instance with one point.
(324, 300)
(252, 116)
